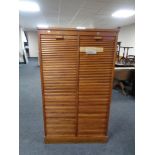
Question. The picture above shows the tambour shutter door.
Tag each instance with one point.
(59, 53)
(95, 82)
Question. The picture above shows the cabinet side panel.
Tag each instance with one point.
(112, 78)
(42, 84)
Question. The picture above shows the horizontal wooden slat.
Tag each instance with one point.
(88, 103)
(75, 139)
(59, 79)
(60, 125)
(89, 127)
(56, 108)
(59, 109)
(93, 109)
(58, 32)
(52, 75)
(54, 36)
(60, 114)
(91, 37)
(55, 55)
(61, 120)
(60, 98)
(94, 121)
(59, 55)
(60, 49)
(61, 132)
(60, 103)
(58, 72)
(92, 72)
(92, 132)
(59, 82)
(67, 90)
(95, 33)
(92, 116)
(59, 94)
(96, 100)
(60, 59)
(94, 93)
(60, 86)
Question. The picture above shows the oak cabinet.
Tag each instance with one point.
(76, 69)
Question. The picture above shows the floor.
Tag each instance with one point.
(121, 127)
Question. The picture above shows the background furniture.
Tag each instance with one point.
(125, 59)
(77, 77)
(118, 52)
(124, 77)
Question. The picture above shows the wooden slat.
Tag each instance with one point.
(73, 139)
(92, 109)
(58, 32)
(95, 33)
(59, 114)
(61, 120)
(88, 103)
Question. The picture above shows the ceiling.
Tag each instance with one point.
(73, 13)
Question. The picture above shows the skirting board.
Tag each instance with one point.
(81, 139)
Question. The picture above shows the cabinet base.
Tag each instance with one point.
(79, 139)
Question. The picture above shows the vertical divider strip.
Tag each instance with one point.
(77, 94)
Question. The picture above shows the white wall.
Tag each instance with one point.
(22, 51)
(33, 43)
(20, 47)
(127, 38)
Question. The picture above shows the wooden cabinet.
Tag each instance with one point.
(76, 75)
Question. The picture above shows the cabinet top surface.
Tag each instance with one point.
(79, 30)
(73, 31)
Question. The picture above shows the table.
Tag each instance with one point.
(124, 77)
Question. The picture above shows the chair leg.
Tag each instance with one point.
(122, 87)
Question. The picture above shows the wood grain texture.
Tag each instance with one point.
(111, 86)
(42, 83)
(76, 86)
(73, 139)
(59, 57)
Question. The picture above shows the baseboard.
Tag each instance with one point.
(33, 58)
(22, 62)
(79, 139)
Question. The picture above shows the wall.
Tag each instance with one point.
(127, 38)
(22, 51)
(33, 43)
(20, 47)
